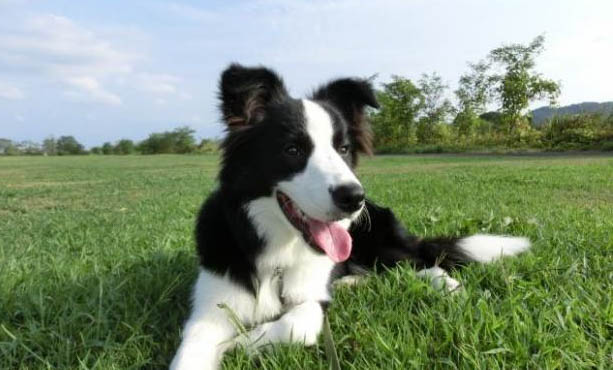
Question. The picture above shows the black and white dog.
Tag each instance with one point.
(290, 216)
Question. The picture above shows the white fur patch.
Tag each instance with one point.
(301, 324)
(439, 279)
(325, 168)
(209, 328)
(305, 272)
(487, 248)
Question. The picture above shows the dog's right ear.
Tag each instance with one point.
(245, 92)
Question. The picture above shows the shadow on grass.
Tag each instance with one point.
(128, 315)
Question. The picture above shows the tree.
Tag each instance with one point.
(208, 146)
(436, 109)
(107, 148)
(124, 146)
(6, 146)
(50, 146)
(474, 88)
(66, 145)
(474, 93)
(519, 84)
(156, 143)
(28, 147)
(180, 140)
(394, 125)
(96, 150)
(184, 141)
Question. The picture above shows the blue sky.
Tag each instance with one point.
(105, 70)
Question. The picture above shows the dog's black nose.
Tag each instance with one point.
(348, 197)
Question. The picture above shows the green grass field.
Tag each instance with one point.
(97, 262)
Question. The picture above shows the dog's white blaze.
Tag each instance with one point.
(325, 168)
(487, 248)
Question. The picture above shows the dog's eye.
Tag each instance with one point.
(343, 149)
(292, 150)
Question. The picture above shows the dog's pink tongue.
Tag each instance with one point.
(332, 238)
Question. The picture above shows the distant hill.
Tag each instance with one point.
(540, 115)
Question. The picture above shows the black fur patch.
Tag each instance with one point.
(350, 96)
(386, 242)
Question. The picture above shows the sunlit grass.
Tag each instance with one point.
(97, 261)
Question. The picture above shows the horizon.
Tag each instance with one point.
(65, 69)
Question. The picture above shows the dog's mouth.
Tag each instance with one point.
(330, 237)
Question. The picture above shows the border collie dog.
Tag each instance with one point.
(290, 216)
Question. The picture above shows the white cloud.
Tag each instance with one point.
(91, 86)
(59, 51)
(163, 84)
(56, 49)
(10, 92)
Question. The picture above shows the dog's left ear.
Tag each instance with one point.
(351, 96)
(245, 92)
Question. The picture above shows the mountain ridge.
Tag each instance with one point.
(542, 114)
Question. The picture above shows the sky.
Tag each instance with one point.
(106, 70)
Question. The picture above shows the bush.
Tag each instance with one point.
(67, 145)
(579, 131)
(124, 147)
(208, 146)
(180, 141)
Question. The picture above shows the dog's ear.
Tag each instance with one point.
(245, 92)
(351, 96)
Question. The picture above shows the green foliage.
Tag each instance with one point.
(9, 147)
(475, 88)
(519, 84)
(66, 145)
(579, 131)
(98, 263)
(466, 122)
(181, 140)
(5, 144)
(29, 148)
(208, 146)
(49, 146)
(542, 114)
(124, 146)
(394, 125)
(413, 117)
(107, 148)
(436, 108)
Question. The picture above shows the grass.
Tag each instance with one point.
(97, 262)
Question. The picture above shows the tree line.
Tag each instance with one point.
(418, 116)
(178, 141)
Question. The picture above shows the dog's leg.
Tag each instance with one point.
(440, 279)
(301, 324)
(209, 329)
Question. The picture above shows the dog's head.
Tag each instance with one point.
(301, 151)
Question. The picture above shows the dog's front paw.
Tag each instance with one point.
(254, 340)
(440, 280)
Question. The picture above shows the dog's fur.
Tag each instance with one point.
(287, 192)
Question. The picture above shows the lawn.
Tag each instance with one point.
(97, 262)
